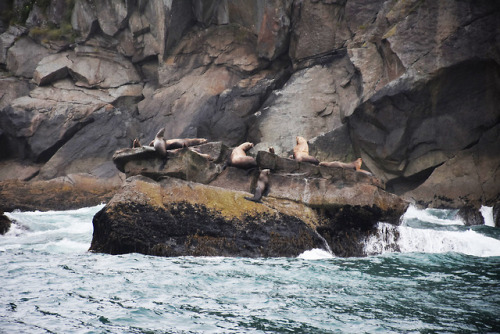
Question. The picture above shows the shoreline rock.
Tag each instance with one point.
(184, 212)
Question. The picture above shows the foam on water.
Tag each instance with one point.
(415, 235)
(52, 231)
(435, 216)
(51, 284)
(316, 254)
(487, 212)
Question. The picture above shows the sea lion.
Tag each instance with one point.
(356, 165)
(262, 187)
(301, 151)
(271, 150)
(240, 159)
(136, 143)
(159, 143)
(185, 142)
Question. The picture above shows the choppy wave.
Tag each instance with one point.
(433, 231)
(51, 284)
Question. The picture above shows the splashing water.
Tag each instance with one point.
(50, 283)
(433, 231)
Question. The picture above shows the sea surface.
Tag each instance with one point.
(432, 274)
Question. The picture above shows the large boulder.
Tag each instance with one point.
(179, 218)
(37, 126)
(23, 57)
(52, 68)
(8, 38)
(101, 69)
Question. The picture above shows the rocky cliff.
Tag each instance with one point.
(412, 87)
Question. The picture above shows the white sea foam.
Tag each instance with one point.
(429, 215)
(406, 239)
(52, 231)
(315, 254)
(487, 212)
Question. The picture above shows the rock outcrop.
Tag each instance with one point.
(412, 87)
(4, 223)
(198, 207)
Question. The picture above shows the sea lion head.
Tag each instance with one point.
(300, 140)
(246, 146)
(266, 171)
(160, 132)
(357, 163)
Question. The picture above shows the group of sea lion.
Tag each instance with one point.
(162, 145)
(239, 159)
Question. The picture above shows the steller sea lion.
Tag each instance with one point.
(185, 142)
(159, 143)
(301, 151)
(160, 146)
(136, 143)
(356, 165)
(240, 159)
(262, 187)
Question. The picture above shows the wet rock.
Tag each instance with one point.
(4, 223)
(496, 214)
(181, 218)
(470, 215)
(23, 57)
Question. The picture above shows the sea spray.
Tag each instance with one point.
(50, 286)
(430, 231)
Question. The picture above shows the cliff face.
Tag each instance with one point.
(412, 87)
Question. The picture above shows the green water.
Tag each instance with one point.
(49, 283)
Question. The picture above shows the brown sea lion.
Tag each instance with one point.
(240, 159)
(136, 143)
(159, 143)
(356, 165)
(271, 150)
(185, 142)
(301, 151)
(262, 187)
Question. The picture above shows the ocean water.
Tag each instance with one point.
(431, 274)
